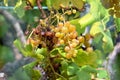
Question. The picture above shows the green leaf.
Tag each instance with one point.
(63, 69)
(73, 78)
(98, 11)
(72, 69)
(42, 51)
(88, 69)
(105, 36)
(58, 50)
(66, 3)
(48, 2)
(83, 22)
(31, 72)
(18, 44)
(85, 58)
(83, 75)
(78, 3)
(117, 22)
(19, 8)
(102, 74)
(6, 55)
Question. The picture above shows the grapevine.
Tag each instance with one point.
(58, 42)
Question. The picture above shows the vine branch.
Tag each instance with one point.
(40, 8)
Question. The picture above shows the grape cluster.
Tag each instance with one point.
(68, 36)
(114, 5)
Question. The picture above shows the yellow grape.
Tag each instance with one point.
(74, 53)
(89, 49)
(67, 48)
(56, 29)
(67, 24)
(75, 40)
(73, 45)
(58, 34)
(68, 55)
(81, 39)
(60, 24)
(69, 12)
(74, 11)
(61, 41)
(64, 30)
(71, 28)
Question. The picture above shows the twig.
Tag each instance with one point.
(15, 24)
(40, 8)
(111, 60)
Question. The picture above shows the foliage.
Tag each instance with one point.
(58, 42)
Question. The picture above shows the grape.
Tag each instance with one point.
(74, 53)
(73, 45)
(56, 29)
(67, 24)
(68, 55)
(75, 40)
(73, 11)
(73, 35)
(61, 41)
(81, 39)
(67, 48)
(64, 30)
(60, 24)
(58, 34)
(69, 12)
(89, 49)
(72, 28)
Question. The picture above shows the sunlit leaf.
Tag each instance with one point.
(85, 58)
(6, 2)
(107, 43)
(78, 3)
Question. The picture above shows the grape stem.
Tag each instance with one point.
(56, 74)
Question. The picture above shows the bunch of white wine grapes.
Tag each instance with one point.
(68, 36)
